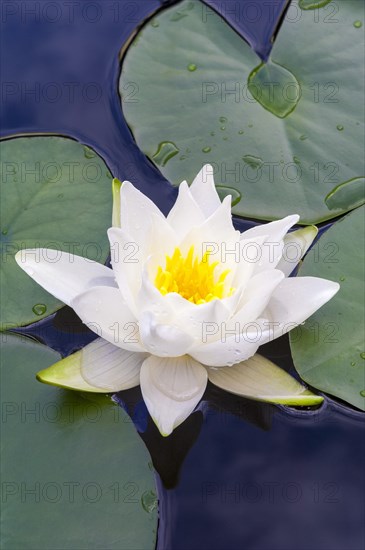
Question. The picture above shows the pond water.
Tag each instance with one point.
(237, 474)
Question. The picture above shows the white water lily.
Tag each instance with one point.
(187, 297)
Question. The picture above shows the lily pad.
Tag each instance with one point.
(299, 117)
(55, 194)
(75, 473)
(328, 351)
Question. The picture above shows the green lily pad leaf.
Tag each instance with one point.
(55, 194)
(75, 473)
(260, 379)
(328, 350)
(282, 134)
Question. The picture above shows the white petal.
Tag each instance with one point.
(185, 213)
(272, 248)
(111, 368)
(274, 230)
(127, 260)
(258, 378)
(256, 296)
(105, 312)
(296, 245)
(164, 340)
(192, 317)
(218, 236)
(61, 274)
(204, 192)
(234, 345)
(171, 389)
(136, 212)
(149, 298)
(162, 241)
(218, 227)
(248, 255)
(296, 299)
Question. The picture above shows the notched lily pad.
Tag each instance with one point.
(301, 114)
(55, 194)
(328, 350)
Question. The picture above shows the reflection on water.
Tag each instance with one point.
(237, 474)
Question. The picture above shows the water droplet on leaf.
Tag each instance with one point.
(348, 195)
(89, 153)
(357, 24)
(39, 309)
(312, 4)
(149, 501)
(165, 151)
(192, 67)
(178, 15)
(281, 99)
(206, 149)
(253, 162)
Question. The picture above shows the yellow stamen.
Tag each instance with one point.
(193, 279)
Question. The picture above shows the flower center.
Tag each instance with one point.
(194, 279)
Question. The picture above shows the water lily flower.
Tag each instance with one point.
(188, 298)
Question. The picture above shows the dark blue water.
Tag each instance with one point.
(237, 474)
